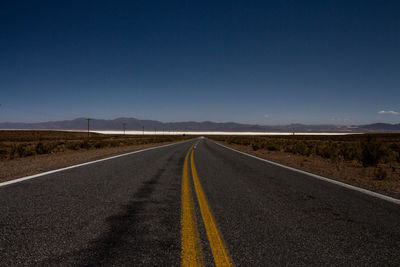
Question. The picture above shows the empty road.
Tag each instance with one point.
(194, 203)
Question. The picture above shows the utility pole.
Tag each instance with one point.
(88, 132)
(123, 126)
(143, 129)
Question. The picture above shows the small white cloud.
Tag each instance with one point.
(266, 116)
(389, 112)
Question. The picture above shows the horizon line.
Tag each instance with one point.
(205, 121)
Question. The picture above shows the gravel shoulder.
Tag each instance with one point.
(20, 167)
(348, 172)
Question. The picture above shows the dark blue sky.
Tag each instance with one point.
(266, 62)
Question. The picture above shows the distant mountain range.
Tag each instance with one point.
(136, 124)
(380, 127)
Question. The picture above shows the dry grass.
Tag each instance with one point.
(20, 144)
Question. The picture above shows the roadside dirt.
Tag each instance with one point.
(20, 167)
(348, 172)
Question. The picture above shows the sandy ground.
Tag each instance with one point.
(348, 172)
(20, 167)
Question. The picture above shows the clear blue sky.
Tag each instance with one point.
(266, 62)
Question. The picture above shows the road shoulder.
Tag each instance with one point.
(377, 190)
(21, 167)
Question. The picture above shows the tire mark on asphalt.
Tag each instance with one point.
(123, 224)
(132, 238)
(127, 229)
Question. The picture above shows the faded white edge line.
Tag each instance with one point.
(86, 163)
(352, 187)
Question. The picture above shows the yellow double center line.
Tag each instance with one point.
(191, 251)
(191, 247)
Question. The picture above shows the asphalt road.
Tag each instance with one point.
(212, 206)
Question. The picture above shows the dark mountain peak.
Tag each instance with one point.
(77, 119)
(125, 119)
(381, 127)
